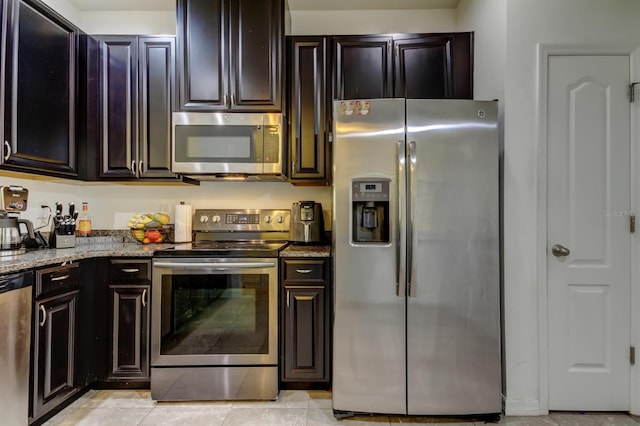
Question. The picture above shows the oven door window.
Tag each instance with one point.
(218, 144)
(221, 314)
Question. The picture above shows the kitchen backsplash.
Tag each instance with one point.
(111, 205)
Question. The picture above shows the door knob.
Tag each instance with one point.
(559, 250)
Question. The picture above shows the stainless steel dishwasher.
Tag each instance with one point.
(15, 342)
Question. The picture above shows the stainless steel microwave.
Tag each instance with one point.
(227, 144)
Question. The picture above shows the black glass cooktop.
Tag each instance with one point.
(224, 249)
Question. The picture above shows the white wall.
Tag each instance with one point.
(66, 9)
(111, 205)
(530, 22)
(372, 21)
(129, 22)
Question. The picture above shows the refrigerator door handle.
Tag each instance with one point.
(400, 152)
(412, 157)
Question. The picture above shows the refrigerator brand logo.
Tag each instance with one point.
(355, 107)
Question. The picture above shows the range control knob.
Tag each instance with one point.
(268, 219)
(215, 219)
(204, 219)
(279, 219)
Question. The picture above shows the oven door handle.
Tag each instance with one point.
(221, 266)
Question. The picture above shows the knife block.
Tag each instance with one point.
(61, 241)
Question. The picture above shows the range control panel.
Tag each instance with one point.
(241, 220)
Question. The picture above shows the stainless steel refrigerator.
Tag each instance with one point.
(416, 250)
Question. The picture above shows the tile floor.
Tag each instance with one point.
(135, 407)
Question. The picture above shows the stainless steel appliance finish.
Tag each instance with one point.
(417, 311)
(225, 145)
(214, 324)
(10, 236)
(15, 338)
(307, 222)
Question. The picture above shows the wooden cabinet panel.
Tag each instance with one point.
(156, 98)
(255, 54)
(130, 293)
(130, 325)
(363, 67)
(309, 110)
(137, 96)
(306, 320)
(203, 60)
(54, 351)
(119, 70)
(230, 54)
(434, 66)
(304, 357)
(40, 71)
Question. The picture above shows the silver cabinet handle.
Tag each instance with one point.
(60, 278)
(559, 250)
(140, 168)
(131, 270)
(411, 171)
(225, 98)
(144, 298)
(288, 296)
(399, 178)
(44, 315)
(8, 154)
(133, 167)
(233, 99)
(303, 271)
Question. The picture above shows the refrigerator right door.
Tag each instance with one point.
(453, 290)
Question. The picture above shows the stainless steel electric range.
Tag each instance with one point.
(214, 329)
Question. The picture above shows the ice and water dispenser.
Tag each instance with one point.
(370, 210)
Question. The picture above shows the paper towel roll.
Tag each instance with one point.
(182, 220)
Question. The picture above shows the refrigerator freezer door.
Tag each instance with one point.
(453, 311)
(369, 368)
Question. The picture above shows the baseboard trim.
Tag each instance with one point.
(522, 407)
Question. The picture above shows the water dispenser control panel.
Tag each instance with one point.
(370, 211)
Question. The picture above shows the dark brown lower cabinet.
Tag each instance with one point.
(305, 320)
(130, 331)
(53, 375)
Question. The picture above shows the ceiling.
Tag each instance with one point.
(101, 5)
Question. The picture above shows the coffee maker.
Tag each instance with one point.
(306, 224)
(370, 211)
(13, 200)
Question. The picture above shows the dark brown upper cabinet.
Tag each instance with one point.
(136, 93)
(415, 66)
(309, 109)
(230, 54)
(433, 66)
(363, 67)
(38, 90)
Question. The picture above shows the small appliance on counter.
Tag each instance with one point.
(14, 201)
(63, 229)
(307, 223)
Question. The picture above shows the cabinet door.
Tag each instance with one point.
(156, 89)
(119, 90)
(255, 51)
(309, 109)
(39, 90)
(54, 346)
(434, 67)
(362, 67)
(202, 54)
(304, 333)
(130, 331)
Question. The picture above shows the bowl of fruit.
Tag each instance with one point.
(150, 228)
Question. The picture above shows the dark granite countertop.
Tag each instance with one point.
(37, 258)
(317, 250)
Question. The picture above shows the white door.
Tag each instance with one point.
(588, 187)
